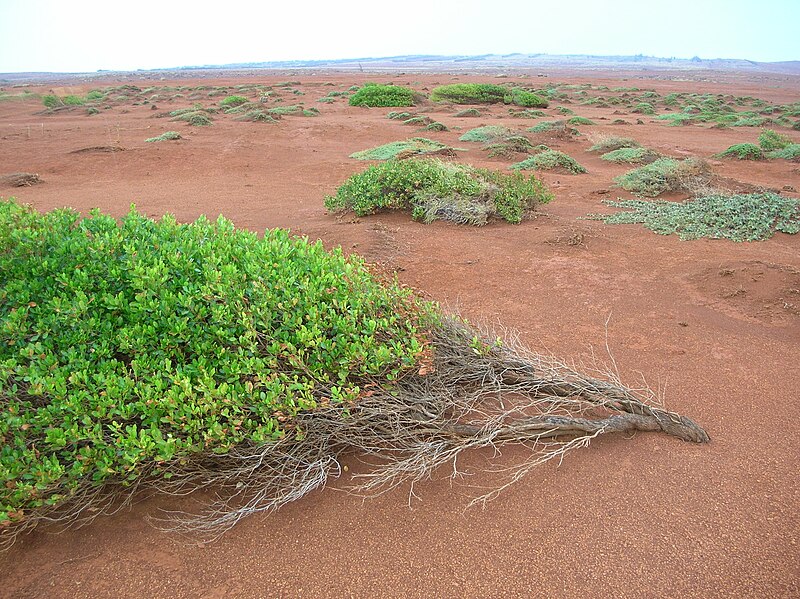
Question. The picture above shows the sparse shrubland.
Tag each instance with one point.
(434, 190)
(608, 144)
(631, 155)
(770, 140)
(470, 93)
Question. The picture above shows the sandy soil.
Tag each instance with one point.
(716, 323)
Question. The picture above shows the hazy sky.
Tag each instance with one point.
(87, 35)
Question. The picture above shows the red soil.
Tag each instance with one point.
(717, 322)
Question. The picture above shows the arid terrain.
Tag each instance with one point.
(712, 323)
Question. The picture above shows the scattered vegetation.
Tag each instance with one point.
(663, 175)
(436, 190)
(399, 116)
(232, 101)
(526, 99)
(579, 120)
(166, 136)
(550, 160)
(525, 114)
(373, 94)
(408, 147)
(750, 217)
(469, 112)
(790, 152)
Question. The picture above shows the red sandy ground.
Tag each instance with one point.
(649, 516)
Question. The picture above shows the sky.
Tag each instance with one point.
(89, 35)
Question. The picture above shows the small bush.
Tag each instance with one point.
(579, 120)
(644, 108)
(553, 127)
(525, 114)
(51, 101)
(398, 116)
(631, 156)
(436, 126)
(184, 340)
(609, 144)
(751, 217)
(744, 151)
(284, 110)
(72, 100)
(469, 112)
(195, 118)
(166, 136)
(418, 121)
(231, 101)
(790, 152)
(770, 140)
(415, 145)
(663, 175)
(526, 99)
(91, 110)
(550, 160)
(435, 190)
(95, 94)
(376, 95)
(470, 93)
(484, 134)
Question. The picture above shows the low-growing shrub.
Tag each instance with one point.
(608, 144)
(72, 100)
(771, 140)
(663, 175)
(166, 136)
(554, 128)
(415, 145)
(375, 95)
(195, 118)
(631, 155)
(436, 126)
(231, 101)
(790, 152)
(580, 120)
(525, 114)
(484, 133)
(469, 112)
(284, 110)
(744, 151)
(399, 116)
(749, 217)
(434, 190)
(526, 99)
(51, 101)
(470, 93)
(550, 160)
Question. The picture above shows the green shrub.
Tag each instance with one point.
(91, 110)
(509, 146)
(373, 94)
(750, 217)
(631, 155)
(470, 93)
(95, 94)
(418, 120)
(526, 99)
(644, 108)
(770, 140)
(195, 118)
(231, 101)
(166, 136)
(550, 160)
(415, 145)
(72, 100)
(51, 101)
(484, 134)
(579, 120)
(469, 112)
(435, 190)
(790, 152)
(130, 348)
(744, 151)
(661, 176)
(547, 127)
(608, 144)
(398, 116)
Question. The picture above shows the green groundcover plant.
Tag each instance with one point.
(128, 345)
(432, 189)
(415, 145)
(550, 160)
(747, 217)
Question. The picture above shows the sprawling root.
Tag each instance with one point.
(473, 395)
